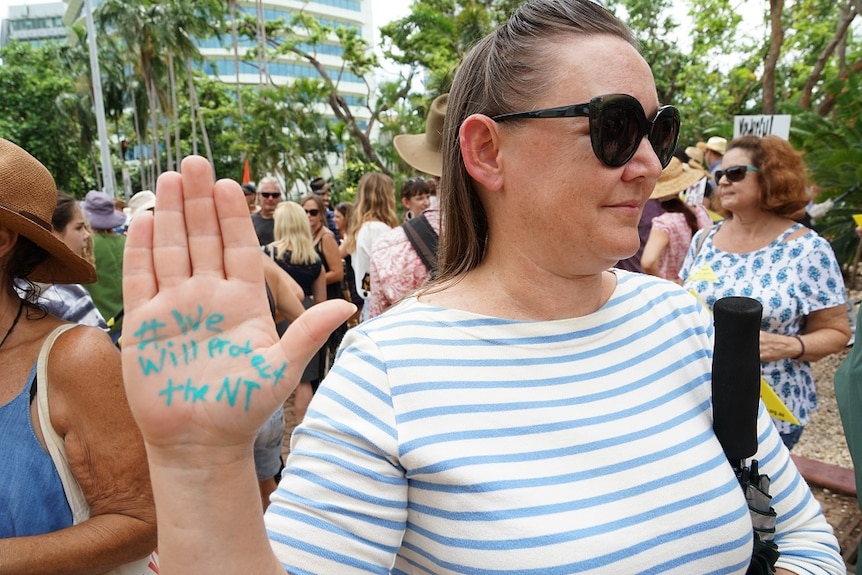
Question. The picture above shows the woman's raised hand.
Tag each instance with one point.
(202, 363)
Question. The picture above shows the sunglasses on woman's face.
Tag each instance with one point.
(270, 194)
(734, 173)
(617, 126)
(313, 212)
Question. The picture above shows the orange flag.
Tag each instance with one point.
(246, 176)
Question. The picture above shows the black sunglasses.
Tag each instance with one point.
(313, 212)
(735, 173)
(617, 126)
(270, 194)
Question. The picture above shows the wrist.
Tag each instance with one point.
(801, 346)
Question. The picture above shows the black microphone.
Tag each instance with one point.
(736, 376)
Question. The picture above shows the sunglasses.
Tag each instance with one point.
(734, 173)
(270, 194)
(617, 126)
(313, 212)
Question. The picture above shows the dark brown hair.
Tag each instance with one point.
(505, 71)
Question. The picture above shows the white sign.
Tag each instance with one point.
(762, 126)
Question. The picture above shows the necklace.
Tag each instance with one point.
(14, 322)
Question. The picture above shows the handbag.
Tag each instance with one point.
(57, 449)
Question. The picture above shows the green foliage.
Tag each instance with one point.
(33, 90)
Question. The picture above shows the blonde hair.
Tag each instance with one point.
(292, 233)
(375, 202)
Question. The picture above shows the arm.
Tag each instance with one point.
(376, 303)
(655, 245)
(285, 291)
(106, 455)
(333, 259)
(804, 537)
(318, 290)
(826, 331)
(186, 267)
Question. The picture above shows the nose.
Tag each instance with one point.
(645, 161)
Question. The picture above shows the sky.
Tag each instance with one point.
(382, 11)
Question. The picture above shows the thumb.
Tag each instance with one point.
(311, 329)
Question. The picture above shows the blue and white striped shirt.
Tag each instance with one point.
(449, 442)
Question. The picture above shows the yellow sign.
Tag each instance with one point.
(703, 274)
(858, 219)
(774, 405)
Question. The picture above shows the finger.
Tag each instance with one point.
(242, 255)
(139, 280)
(170, 247)
(202, 225)
(304, 338)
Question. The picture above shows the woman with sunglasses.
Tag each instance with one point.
(531, 411)
(759, 251)
(326, 247)
(294, 252)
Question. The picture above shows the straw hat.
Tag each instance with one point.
(423, 151)
(696, 154)
(717, 144)
(675, 178)
(28, 197)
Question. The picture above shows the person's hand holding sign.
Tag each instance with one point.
(202, 363)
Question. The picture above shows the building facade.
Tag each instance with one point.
(34, 23)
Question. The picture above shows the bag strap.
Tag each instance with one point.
(423, 238)
(701, 239)
(53, 442)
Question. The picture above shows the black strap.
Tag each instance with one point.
(423, 238)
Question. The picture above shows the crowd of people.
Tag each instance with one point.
(442, 375)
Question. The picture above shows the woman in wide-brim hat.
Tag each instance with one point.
(671, 233)
(46, 522)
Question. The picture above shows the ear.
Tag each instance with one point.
(480, 148)
(405, 202)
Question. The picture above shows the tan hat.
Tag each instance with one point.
(695, 154)
(675, 178)
(717, 144)
(423, 151)
(28, 198)
(143, 200)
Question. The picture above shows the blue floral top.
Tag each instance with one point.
(791, 279)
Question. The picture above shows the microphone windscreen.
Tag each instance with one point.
(736, 375)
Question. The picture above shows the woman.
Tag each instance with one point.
(533, 411)
(671, 231)
(71, 302)
(373, 214)
(326, 247)
(294, 252)
(343, 217)
(759, 252)
(108, 247)
(88, 408)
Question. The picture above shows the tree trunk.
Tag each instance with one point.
(145, 182)
(193, 95)
(156, 166)
(776, 8)
(235, 39)
(175, 113)
(847, 16)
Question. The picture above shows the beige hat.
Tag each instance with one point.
(143, 200)
(695, 154)
(675, 178)
(717, 144)
(423, 151)
(28, 197)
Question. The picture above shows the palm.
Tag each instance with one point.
(201, 359)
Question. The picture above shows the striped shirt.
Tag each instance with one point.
(449, 442)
